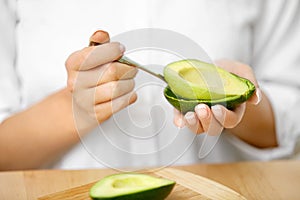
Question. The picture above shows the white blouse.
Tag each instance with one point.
(37, 37)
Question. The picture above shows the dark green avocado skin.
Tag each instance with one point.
(186, 105)
(153, 194)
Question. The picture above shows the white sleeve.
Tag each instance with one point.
(9, 83)
(276, 62)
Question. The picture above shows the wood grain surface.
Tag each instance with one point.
(188, 186)
(254, 180)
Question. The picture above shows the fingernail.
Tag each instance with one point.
(217, 110)
(201, 111)
(96, 32)
(190, 118)
(122, 48)
(258, 95)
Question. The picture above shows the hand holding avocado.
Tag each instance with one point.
(194, 85)
(206, 119)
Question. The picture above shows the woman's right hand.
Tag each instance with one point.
(100, 85)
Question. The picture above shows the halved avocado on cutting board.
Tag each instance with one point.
(130, 186)
(191, 82)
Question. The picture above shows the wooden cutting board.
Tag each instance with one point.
(188, 187)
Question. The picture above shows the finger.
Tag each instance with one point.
(91, 57)
(228, 118)
(106, 110)
(193, 123)
(256, 98)
(233, 66)
(209, 123)
(178, 119)
(99, 37)
(247, 73)
(101, 55)
(88, 98)
(204, 115)
(112, 90)
(70, 63)
(103, 74)
(118, 71)
(74, 59)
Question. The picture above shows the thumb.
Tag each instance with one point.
(99, 37)
(256, 97)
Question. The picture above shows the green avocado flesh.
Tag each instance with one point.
(129, 186)
(191, 82)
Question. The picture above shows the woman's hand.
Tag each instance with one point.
(213, 120)
(100, 85)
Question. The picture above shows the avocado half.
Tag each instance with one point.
(130, 186)
(191, 82)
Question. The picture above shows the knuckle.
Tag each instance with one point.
(104, 112)
(70, 84)
(83, 56)
(131, 83)
(113, 86)
(112, 68)
(77, 58)
(69, 63)
(111, 71)
(101, 72)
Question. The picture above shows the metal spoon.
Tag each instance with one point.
(128, 61)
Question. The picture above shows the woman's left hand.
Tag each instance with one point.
(213, 120)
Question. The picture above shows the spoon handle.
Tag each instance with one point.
(128, 61)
